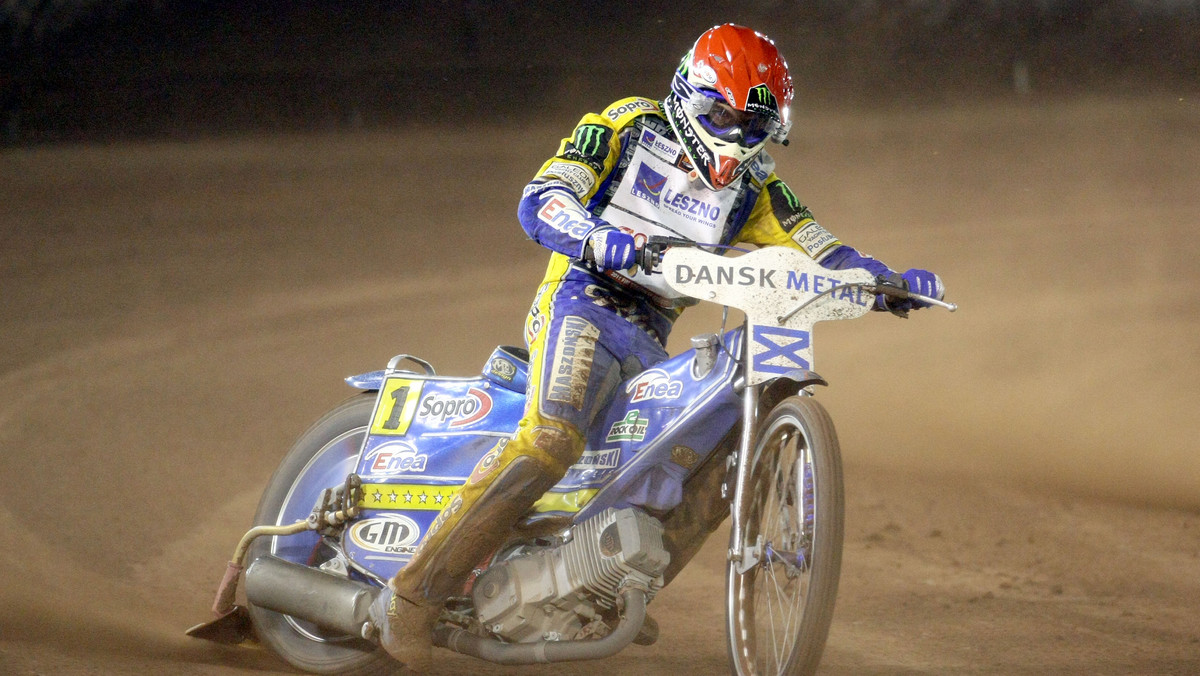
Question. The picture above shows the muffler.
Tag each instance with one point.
(545, 652)
(329, 601)
(343, 605)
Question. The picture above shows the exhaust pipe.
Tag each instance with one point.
(337, 603)
(308, 594)
(543, 652)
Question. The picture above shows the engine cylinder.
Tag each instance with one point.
(548, 593)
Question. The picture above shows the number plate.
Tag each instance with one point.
(396, 406)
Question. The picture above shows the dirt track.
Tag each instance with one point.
(1024, 484)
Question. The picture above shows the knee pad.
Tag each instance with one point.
(554, 445)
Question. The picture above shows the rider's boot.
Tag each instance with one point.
(475, 523)
(405, 629)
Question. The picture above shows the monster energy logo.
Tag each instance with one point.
(793, 202)
(761, 97)
(589, 139)
(787, 206)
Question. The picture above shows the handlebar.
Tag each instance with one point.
(886, 287)
(650, 256)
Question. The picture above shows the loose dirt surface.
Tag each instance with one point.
(1023, 478)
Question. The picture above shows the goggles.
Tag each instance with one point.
(724, 121)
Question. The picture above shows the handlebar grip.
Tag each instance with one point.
(650, 256)
(664, 241)
(892, 288)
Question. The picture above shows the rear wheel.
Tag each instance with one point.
(780, 597)
(320, 459)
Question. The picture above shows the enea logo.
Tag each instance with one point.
(649, 184)
(394, 458)
(461, 411)
(654, 384)
(391, 534)
(487, 464)
(564, 217)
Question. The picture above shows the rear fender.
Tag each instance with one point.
(370, 381)
(508, 367)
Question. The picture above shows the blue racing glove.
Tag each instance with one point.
(611, 249)
(923, 282)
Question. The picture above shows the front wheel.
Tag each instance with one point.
(780, 596)
(320, 459)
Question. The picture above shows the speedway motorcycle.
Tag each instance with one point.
(730, 425)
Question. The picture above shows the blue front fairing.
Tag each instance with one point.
(429, 433)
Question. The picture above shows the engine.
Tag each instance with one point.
(553, 593)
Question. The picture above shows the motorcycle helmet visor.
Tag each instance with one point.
(729, 124)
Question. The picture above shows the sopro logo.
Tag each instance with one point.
(391, 534)
(460, 411)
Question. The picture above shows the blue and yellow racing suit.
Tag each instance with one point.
(587, 330)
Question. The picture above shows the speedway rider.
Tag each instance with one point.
(694, 166)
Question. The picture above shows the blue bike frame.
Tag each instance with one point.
(429, 433)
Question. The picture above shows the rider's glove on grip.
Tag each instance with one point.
(612, 249)
(925, 283)
(915, 280)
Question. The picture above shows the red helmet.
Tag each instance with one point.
(730, 94)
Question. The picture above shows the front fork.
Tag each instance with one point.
(744, 556)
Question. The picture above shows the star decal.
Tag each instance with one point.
(406, 496)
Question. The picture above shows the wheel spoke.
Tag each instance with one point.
(780, 605)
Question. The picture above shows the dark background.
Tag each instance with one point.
(73, 71)
(1022, 481)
